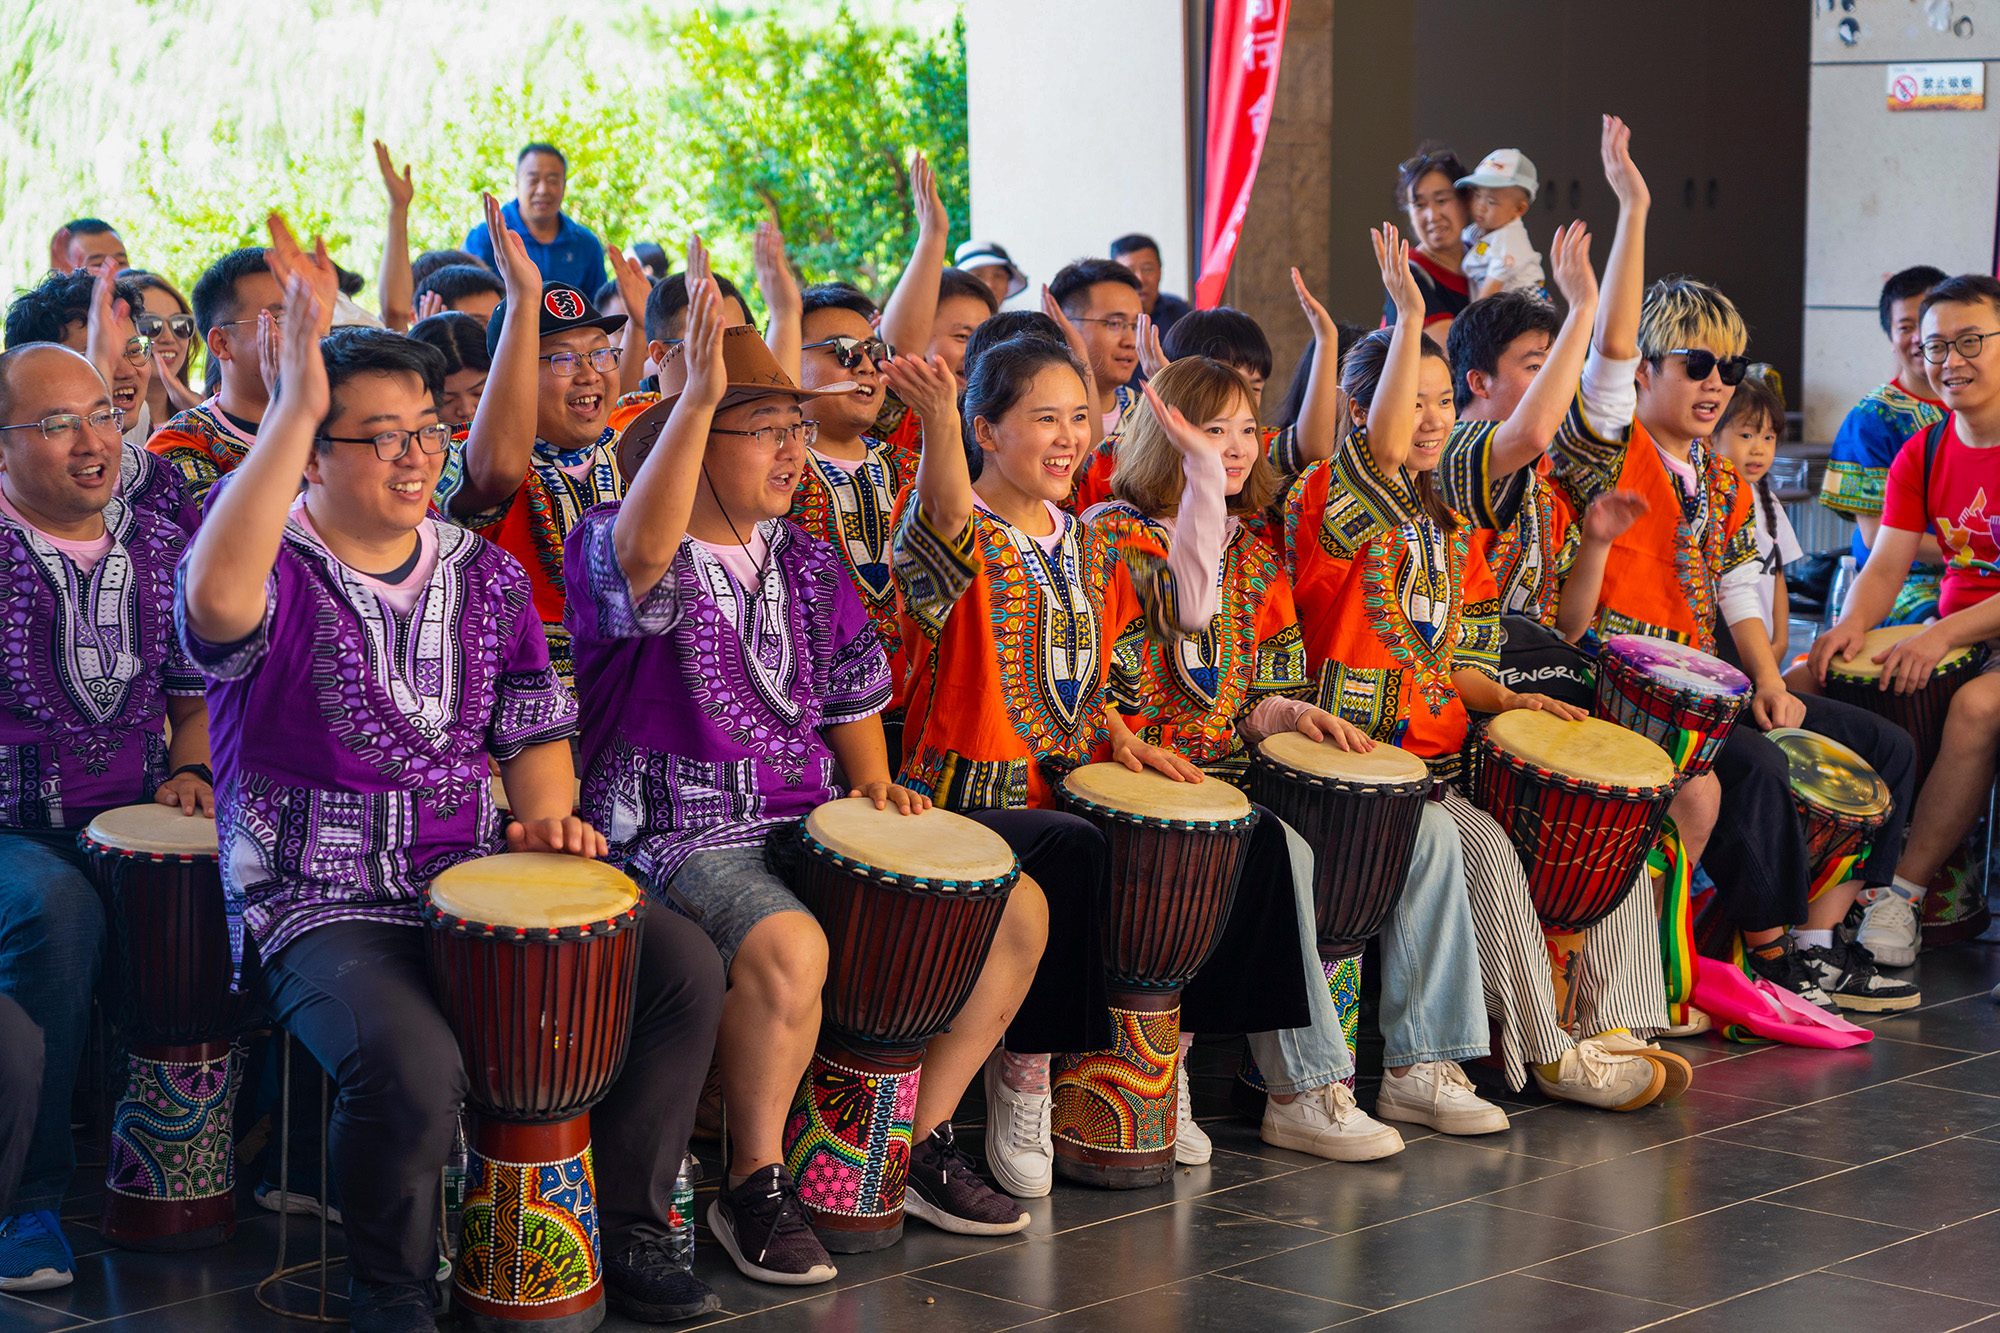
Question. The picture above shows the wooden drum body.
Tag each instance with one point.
(910, 905)
(1841, 799)
(1359, 812)
(1176, 851)
(1921, 712)
(535, 962)
(1680, 698)
(170, 1178)
(1582, 803)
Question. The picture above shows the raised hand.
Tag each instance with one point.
(701, 345)
(518, 273)
(1611, 513)
(1071, 335)
(1569, 264)
(1191, 440)
(698, 266)
(925, 386)
(633, 284)
(1325, 332)
(1152, 356)
(775, 281)
(398, 185)
(1614, 146)
(925, 200)
(1392, 255)
(100, 339)
(430, 303)
(179, 396)
(301, 371)
(287, 258)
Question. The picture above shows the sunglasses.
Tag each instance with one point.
(152, 326)
(849, 351)
(1701, 361)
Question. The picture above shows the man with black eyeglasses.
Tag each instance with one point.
(231, 299)
(95, 315)
(1102, 298)
(1943, 483)
(540, 449)
(89, 674)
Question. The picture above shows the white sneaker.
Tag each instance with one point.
(1019, 1151)
(1891, 930)
(1192, 1146)
(1437, 1093)
(1593, 1076)
(1326, 1122)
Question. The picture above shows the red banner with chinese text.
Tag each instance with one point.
(1244, 45)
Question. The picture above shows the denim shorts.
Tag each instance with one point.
(728, 890)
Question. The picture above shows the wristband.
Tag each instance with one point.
(199, 770)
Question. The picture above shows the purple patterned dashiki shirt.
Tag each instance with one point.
(86, 664)
(351, 740)
(702, 706)
(148, 482)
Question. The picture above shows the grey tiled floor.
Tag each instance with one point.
(1791, 1189)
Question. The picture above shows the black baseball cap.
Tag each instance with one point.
(563, 308)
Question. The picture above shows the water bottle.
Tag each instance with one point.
(1836, 595)
(680, 1216)
(455, 1168)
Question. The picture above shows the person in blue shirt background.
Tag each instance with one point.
(563, 249)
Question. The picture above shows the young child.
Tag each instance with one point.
(1747, 435)
(1498, 255)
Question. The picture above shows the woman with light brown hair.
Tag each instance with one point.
(1210, 697)
(167, 323)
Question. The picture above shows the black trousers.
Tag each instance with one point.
(357, 993)
(20, 1093)
(1251, 983)
(1757, 854)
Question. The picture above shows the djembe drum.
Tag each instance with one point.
(910, 905)
(1176, 851)
(1839, 797)
(170, 1177)
(534, 960)
(1680, 698)
(1920, 712)
(1582, 803)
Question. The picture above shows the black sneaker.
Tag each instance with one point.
(654, 1281)
(391, 1307)
(1847, 974)
(764, 1226)
(946, 1191)
(1789, 970)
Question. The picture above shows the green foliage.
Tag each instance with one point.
(184, 121)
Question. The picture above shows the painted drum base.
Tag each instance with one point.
(1955, 905)
(170, 1178)
(529, 1255)
(847, 1145)
(1343, 983)
(1113, 1116)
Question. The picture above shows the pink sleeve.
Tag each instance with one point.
(1273, 714)
(1194, 558)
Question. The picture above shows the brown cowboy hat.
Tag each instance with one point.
(749, 372)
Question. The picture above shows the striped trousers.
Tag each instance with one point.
(1616, 979)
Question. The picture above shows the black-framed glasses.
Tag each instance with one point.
(391, 445)
(64, 425)
(152, 326)
(775, 438)
(1701, 361)
(603, 360)
(1968, 345)
(138, 351)
(849, 351)
(1115, 325)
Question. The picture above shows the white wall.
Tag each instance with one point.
(1885, 189)
(1077, 127)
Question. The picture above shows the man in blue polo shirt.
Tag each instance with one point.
(562, 248)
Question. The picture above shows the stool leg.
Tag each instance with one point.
(325, 1116)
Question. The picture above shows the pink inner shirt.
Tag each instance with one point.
(742, 562)
(1047, 542)
(848, 465)
(83, 554)
(1683, 472)
(402, 595)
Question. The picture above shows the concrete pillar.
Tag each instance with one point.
(1885, 189)
(1076, 122)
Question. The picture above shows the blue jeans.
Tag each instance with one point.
(1432, 1005)
(51, 948)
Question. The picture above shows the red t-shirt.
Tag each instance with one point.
(1964, 489)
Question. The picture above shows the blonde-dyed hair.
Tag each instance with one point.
(1148, 475)
(1682, 312)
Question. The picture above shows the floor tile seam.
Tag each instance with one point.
(1734, 1296)
(1991, 1306)
(1325, 1232)
(1600, 1291)
(1917, 1081)
(1529, 1212)
(150, 1309)
(1717, 1136)
(1846, 1217)
(1359, 1310)
(81, 1322)
(1966, 1051)
(1042, 1310)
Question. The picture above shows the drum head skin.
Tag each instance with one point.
(1831, 776)
(159, 830)
(1150, 795)
(1383, 766)
(1590, 750)
(534, 891)
(1677, 665)
(1864, 667)
(935, 845)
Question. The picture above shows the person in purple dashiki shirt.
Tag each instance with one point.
(355, 711)
(89, 672)
(726, 666)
